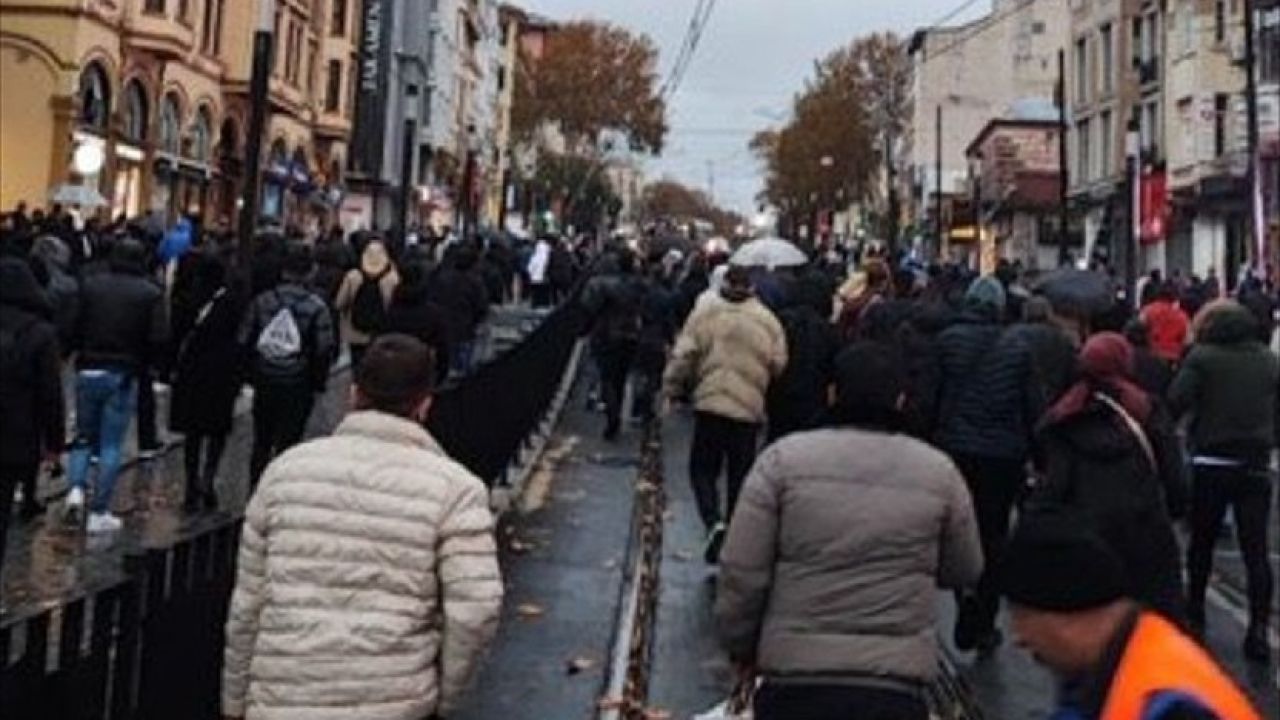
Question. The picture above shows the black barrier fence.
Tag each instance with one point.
(483, 421)
(144, 648)
(149, 646)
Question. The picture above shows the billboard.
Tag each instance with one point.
(372, 87)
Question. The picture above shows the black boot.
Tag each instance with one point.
(1256, 648)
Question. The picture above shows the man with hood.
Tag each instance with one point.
(986, 418)
(30, 389)
(1227, 384)
(726, 357)
(828, 575)
(123, 329)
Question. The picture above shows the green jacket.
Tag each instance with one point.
(1228, 384)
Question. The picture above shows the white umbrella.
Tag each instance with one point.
(769, 253)
(81, 195)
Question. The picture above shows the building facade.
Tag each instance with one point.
(160, 87)
(1016, 189)
(963, 77)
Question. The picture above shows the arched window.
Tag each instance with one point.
(170, 125)
(95, 97)
(201, 134)
(137, 112)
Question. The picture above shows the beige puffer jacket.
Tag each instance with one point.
(368, 582)
(835, 549)
(727, 355)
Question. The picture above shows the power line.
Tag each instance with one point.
(985, 25)
(951, 15)
(693, 35)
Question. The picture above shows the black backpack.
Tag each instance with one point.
(368, 311)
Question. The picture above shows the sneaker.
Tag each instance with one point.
(715, 540)
(104, 523)
(74, 509)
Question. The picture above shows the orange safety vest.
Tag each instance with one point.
(1160, 658)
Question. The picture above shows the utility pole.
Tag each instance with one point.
(259, 103)
(400, 227)
(937, 178)
(1257, 220)
(1064, 253)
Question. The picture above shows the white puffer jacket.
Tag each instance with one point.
(368, 581)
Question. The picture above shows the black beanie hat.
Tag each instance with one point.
(1055, 562)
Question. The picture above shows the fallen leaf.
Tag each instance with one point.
(579, 664)
(611, 703)
(530, 610)
(657, 714)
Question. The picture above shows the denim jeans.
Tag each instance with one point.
(105, 402)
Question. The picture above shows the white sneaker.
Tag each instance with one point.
(74, 509)
(104, 523)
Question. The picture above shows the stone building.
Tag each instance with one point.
(1016, 188)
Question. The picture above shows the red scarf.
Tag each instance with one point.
(1105, 365)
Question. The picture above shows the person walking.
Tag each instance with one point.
(368, 582)
(725, 359)
(828, 575)
(412, 313)
(459, 290)
(986, 415)
(1167, 324)
(1113, 459)
(1227, 385)
(288, 340)
(364, 296)
(31, 406)
(615, 302)
(122, 328)
(207, 373)
(1113, 658)
(798, 399)
(538, 271)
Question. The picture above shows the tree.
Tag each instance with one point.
(668, 199)
(827, 154)
(592, 79)
(577, 187)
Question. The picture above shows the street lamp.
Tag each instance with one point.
(88, 159)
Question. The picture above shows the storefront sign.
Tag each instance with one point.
(1155, 206)
(371, 95)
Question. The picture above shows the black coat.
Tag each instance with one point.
(122, 322)
(412, 313)
(31, 404)
(207, 371)
(797, 399)
(1097, 469)
(464, 299)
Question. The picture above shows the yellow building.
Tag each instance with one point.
(160, 87)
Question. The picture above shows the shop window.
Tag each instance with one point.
(95, 97)
(153, 7)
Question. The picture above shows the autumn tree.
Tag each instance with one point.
(668, 199)
(575, 186)
(829, 151)
(592, 79)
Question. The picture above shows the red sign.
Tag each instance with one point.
(1155, 207)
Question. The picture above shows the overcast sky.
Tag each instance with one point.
(753, 56)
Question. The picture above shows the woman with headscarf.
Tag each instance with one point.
(870, 287)
(1112, 459)
(364, 297)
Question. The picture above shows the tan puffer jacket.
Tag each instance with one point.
(368, 581)
(727, 355)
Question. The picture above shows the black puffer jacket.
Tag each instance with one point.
(412, 313)
(797, 399)
(31, 406)
(122, 321)
(462, 294)
(976, 381)
(1097, 468)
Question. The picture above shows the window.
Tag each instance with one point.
(277, 57)
(1220, 21)
(502, 79)
(333, 87)
(1082, 71)
(184, 12)
(1220, 124)
(211, 28)
(1084, 166)
(351, 90)
(170, 125)
(1269, 50)
(201, 135)
(1037, 27)
(95, 97)
(1150, 127)
(136, 112)
(312, 69)
(291, 55)
(217, 25)
(1106, 140)
(153, 7)
(1106, 44)
(338, 18)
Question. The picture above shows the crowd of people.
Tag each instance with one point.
(131, 306)
(911, 415)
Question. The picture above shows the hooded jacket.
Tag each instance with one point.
(368, 583)
(727, 355)
(374, 263)
(1228, 384)
(122, 323)
(31, 406)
